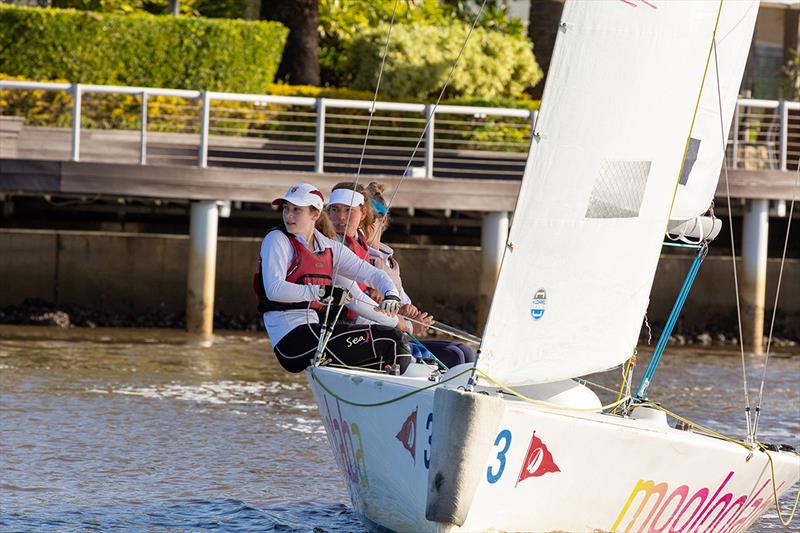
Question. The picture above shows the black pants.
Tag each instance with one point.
(371, 346)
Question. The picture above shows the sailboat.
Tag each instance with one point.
(627, 147)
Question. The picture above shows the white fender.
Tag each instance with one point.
(463, 426)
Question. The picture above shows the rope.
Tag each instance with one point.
(548, 405)
(314, 376)
(775, 306)
(503, 387)
(787, 521)
(702, 429)
(625, 381)
(750, 435)
(759, 446)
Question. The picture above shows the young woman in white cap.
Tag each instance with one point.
(295, 280)
(348, 212)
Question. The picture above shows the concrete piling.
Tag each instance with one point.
(494, 234)
(202, 267)
(755, 234)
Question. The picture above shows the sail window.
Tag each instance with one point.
(619, 189)
(688, 162)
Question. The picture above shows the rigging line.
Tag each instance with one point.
(785, 521)
(377, 87)
(733, 251)
(326, 337)
(419, 140)
(436, 105)
(775, 306)
(436, 326)
(712, 48)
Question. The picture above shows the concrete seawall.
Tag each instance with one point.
(131, 273)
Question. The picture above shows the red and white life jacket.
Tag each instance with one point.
(306, 268)
(358, 245)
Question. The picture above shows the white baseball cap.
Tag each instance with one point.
(302, 194)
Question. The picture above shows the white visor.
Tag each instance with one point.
(346, 197)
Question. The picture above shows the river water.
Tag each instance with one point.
(152, 430)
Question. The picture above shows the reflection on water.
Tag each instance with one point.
(152, 430)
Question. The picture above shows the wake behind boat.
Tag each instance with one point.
(628, 145)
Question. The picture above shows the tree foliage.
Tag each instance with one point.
(419, 60)
(343, 21)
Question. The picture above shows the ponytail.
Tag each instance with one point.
(324, 225)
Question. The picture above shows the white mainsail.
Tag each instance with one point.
(601, 178)
(700, 173)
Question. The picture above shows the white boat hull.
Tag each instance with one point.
(548, 470)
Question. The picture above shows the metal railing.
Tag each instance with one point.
(300, 133)
(765, 135)
(326, 135)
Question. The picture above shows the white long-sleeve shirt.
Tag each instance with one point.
(276, 257)
(390, 266)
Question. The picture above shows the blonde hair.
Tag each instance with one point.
(323, 224)
(367, 217)
(375, 192)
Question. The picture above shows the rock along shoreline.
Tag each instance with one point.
(39, 312)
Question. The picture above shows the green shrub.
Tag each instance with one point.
(204, 8)
(419, 60)
(140, 50)
(342, 21)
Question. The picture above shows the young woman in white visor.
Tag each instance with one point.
(295, 284)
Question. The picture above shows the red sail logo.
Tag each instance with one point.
(538, 461)
(408, 435)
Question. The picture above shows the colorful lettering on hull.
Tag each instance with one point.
(677, 512)
(348, 448)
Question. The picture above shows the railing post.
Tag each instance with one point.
(319, 149)
(76, 122)
(429, 119)
(734, 163)
(783, 153)
(143, 133)
(202, 156)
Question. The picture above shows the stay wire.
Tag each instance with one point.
(422, 135)
(436, 105)
(775, 305)
(377, 88)
(326, 336)
(748, 422)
